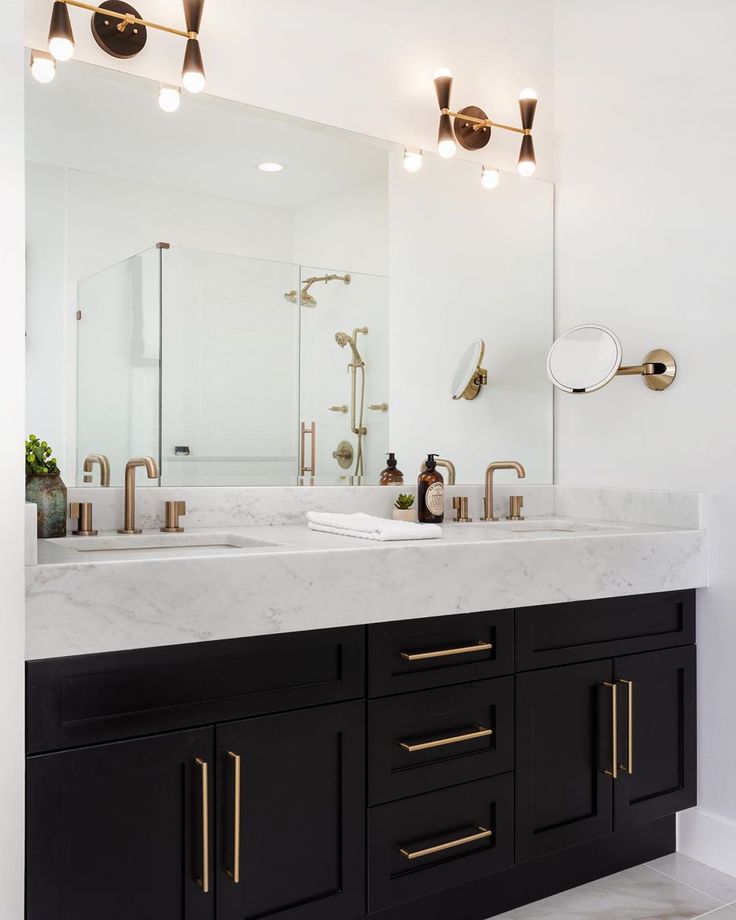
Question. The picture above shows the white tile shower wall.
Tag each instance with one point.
(645, 209)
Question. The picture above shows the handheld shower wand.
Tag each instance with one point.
(356, 417)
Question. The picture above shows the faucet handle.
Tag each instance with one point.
(460, 504)
(173, 511)
(82, 513)
(516, 503)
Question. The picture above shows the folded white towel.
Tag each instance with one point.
(368, 527)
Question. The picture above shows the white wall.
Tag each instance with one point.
(363, 66)
(645, 147)
(11, 463)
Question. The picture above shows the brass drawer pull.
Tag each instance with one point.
(204, 881)
(440, 742)
(446, 652)
(613, 772)
(481, 834)
(234, 873)
(629, 766)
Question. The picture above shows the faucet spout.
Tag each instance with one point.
(490, 470)
(131, 466)
(87, 468)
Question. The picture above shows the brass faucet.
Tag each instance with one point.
(130, 468)
(491, 469)
(89, 462)
(450, 467)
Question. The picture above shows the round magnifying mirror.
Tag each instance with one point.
(584, 359)
(470, 376)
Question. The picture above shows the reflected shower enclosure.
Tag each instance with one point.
(210, 362)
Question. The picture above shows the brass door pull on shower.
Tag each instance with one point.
(234, 873)
(311, 433)
(480, 732)
(628, 767)
(613, 772)
(204, 880)
(446, 652)
(481, 834)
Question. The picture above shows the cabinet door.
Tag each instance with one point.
(291, 797)
(122, 830)
(657, 743)
(563, 746)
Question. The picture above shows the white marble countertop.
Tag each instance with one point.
(80, 603)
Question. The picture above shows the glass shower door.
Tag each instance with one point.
(118, 353)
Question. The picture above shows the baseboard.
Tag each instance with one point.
(707, 837)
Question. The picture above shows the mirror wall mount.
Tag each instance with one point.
(472, 128)
(584, 359)
(470, 376)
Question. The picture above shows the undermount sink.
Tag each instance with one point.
(546, 525)
(160, 544)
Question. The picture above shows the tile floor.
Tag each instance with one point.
(671, 888)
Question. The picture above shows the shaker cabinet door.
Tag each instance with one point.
(563, 747)
(291, 803)
(656, 743)
(122, 830)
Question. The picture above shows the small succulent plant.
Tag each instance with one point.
(39, 458)
(404, 502)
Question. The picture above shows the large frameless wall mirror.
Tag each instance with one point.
(249, 325)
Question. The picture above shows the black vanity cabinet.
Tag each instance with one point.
(118, 830)
(454, 766)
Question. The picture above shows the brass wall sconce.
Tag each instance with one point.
(471, 127)
(120, 31)
(586, 358)
(470, 376)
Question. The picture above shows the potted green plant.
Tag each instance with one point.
(45, 488)
(404, 509)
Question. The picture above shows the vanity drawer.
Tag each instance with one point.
(87, 698)
(434, 652)
(423, 741)
(588, 630)
(435, 841)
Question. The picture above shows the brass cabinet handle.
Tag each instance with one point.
(234, 873)
(629, 766)
(613, 772)
(204, 881)
(481, 732)
(482, 833)
(445, 652)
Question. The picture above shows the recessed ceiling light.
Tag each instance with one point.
(270, 167)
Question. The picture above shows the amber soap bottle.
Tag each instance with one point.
(391, 476)
(430, 494)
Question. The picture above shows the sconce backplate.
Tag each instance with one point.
(125, 44)
(660, 381)
(465, 131)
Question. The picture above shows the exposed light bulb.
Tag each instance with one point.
(193, 81)
(528, 93)
(446, 148)
(43, 66)
(61, 48)
(526, 168)
(412, 160)
(442, 72)
(270, 167)
(489, 178)
(169, 98)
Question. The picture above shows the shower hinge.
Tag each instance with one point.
(79, 314)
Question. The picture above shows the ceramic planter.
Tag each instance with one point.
(405, 514)
(48, 494)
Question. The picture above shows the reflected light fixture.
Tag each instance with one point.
(61, 37)
(471, 127)
(43, 66)
(489, 177)
(120, 31)
(270, 167)
(169, 98)
(412, 160)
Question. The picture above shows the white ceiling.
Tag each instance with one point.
(102, 121)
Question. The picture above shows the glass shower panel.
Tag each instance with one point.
(118, 347)
(334, 387)
(229, 371)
